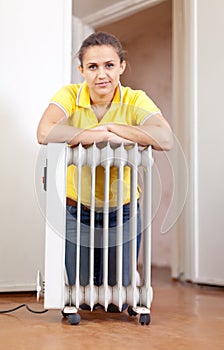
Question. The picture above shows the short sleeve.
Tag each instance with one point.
(144, 107)
(65, 98)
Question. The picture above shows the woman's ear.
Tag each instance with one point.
(122, 67)
(80, 68)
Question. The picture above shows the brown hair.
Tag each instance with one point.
(99, 39)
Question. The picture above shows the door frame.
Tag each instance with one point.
(184, 53)
(117, 11)
(185, 127)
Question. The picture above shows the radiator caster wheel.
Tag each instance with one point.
(145, 319)
(74, 319)
(64, 314)
(131, 312)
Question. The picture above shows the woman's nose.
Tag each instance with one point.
(101, 72)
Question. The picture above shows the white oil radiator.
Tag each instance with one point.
(58, 293)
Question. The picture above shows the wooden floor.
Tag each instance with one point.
(183, 317)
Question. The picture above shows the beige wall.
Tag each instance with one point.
(147, 38)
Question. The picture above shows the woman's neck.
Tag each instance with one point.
(100, 109)
(96, 99)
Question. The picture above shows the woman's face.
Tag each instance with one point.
(101, 70)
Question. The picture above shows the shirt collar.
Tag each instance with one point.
(83, 97)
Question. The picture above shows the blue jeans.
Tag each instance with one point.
(70, 253)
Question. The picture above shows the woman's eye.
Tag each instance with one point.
(92, 67)
(110, 65)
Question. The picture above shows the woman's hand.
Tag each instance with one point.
(113, 138)
(89, 136)
(155, 132)
(98, 134)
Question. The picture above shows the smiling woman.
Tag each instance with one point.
(102, 62)
(101, 67)
(98, 110)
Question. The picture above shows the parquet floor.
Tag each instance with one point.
(183, 317)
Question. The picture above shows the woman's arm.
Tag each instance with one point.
(52, 128)
(155, 132)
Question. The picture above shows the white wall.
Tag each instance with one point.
(199, 73)
(35, 61)
(210, 75)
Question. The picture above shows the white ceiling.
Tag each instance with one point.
(96, 13)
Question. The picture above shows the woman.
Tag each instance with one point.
(100, 110)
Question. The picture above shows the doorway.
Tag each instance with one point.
(146, 35)
(147, 38)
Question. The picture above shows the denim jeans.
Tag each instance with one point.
(70, 254)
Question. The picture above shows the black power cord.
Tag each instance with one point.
(23, 305)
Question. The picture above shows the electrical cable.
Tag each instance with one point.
(27, 307)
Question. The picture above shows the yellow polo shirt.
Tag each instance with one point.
(129, 107)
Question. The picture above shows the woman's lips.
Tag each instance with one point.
(103, 84)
